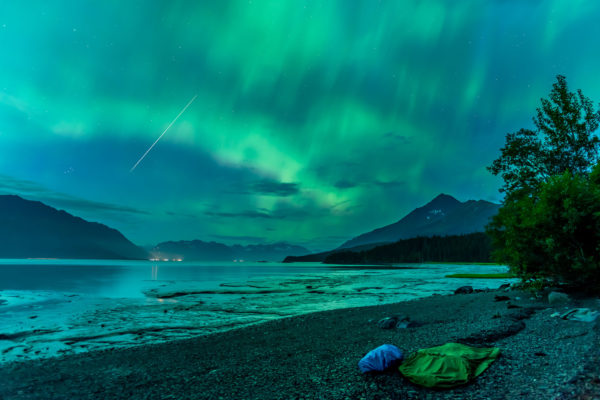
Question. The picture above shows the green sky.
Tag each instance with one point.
(314, 120)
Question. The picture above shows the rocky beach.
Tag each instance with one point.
(315, 356)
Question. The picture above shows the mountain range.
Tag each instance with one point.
(442, 216)
(31, 229)
(197, 250)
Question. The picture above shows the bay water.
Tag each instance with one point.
(54, 307)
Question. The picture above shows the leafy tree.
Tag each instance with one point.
(549, 224)
(555, 235)
(562, 140)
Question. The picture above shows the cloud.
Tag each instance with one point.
(398, 137)
(10, 184)
(344, 184)
(270, 187)
(306, 210)
(35, 191)
(243, 214)
(90, 205)
(390, 184)
(178, 214)
(267, 187)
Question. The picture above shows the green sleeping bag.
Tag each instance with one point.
(447, 366)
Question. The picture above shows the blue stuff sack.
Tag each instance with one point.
(379, 359)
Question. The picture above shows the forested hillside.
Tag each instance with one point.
(474, 247)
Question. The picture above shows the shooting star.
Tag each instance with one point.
(165, 131)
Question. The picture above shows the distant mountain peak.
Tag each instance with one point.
(444, 215)
(444, 196)
(31, 229)
(442, 200)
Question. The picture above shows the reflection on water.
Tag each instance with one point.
(121, 278)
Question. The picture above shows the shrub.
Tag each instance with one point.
(553, 234)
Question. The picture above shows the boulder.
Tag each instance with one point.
(387, 323)
(464, 290)
(396, 321)
(505, 286)
(501, 298)
(402, 324)
(557, 298)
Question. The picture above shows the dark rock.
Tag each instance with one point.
(509, 305)
(504, 286)
(402, 324)
(397, 321)
(407, 323)
(387, 323)
(501, 298)
(557, 298)
(464, 290)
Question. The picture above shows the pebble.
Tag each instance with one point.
(557, 298)
(255, 362)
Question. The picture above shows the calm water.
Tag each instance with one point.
(53, 307)
(117, 278)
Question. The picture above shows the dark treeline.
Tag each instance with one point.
(474, 247)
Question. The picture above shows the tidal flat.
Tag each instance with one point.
(315, 356)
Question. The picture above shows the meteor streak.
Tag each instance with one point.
(165, 131)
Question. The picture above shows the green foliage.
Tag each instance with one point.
(534, 286)
(548, 229)
(554, 235)
(563, 140)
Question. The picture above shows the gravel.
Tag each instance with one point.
(315, 356)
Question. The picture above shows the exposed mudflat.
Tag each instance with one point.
(191, 300)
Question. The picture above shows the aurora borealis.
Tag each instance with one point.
(315, 120)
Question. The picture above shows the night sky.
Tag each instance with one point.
(314, 120)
